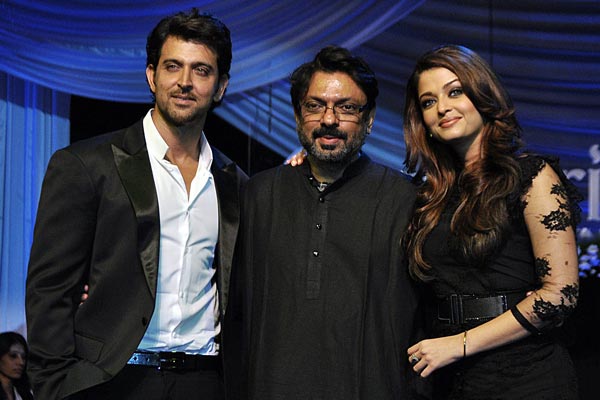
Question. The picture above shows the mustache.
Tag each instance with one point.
(184, 95)
(329, 132)
(183, 92)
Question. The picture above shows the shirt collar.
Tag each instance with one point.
(157, 147)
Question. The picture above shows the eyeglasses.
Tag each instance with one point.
(314, 111)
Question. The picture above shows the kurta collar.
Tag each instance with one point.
(355, 168)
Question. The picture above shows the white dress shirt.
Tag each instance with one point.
(186, 316)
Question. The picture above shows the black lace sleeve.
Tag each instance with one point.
(531, 164)
(551, 211)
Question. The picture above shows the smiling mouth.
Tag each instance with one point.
(183, 98)
(448, 122)
(329, 139)
(329, 134)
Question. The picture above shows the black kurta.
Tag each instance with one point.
(330, 306)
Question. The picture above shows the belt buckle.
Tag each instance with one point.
(504, 299)
(171, 361)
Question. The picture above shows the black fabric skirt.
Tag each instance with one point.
(533, 368)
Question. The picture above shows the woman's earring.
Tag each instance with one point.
(429, 134)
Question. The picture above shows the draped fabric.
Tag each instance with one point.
(97, 48)
(34, 122)
(547, 54)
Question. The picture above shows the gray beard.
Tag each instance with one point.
(343, 155)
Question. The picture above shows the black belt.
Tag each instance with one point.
(461, 308)
(175, 361)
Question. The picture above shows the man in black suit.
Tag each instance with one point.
(148, 217)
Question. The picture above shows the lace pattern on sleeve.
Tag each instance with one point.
(568, 214)
(531, 165)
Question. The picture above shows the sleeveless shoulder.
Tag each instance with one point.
(531, 164)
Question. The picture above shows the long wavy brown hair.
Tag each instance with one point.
(478, 223)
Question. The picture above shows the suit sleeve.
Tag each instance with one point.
(58, 268)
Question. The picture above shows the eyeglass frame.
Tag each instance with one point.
(355, 116)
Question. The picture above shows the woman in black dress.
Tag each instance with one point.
(492, 238)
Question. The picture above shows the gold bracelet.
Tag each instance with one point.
(464, 344)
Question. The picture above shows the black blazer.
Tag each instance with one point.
(98, 223)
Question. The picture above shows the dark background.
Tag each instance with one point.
(90, 117)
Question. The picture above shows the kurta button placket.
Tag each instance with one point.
(315, 264)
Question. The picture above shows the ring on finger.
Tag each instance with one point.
(414, 359)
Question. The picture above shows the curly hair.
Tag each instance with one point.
(481, 217)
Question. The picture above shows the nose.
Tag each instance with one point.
(329, 117)
(185, 79)
(443, 106)
(21, 360)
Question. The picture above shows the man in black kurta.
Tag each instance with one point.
(329, 305)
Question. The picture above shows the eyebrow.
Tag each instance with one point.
(443, 87)
(194, 65)
(322, 100)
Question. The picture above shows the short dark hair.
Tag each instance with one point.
(334, 59)
(195, 27)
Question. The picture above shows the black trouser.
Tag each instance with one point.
(149, 383)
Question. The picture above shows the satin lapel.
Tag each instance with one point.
(134, 169)
(227, 186)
